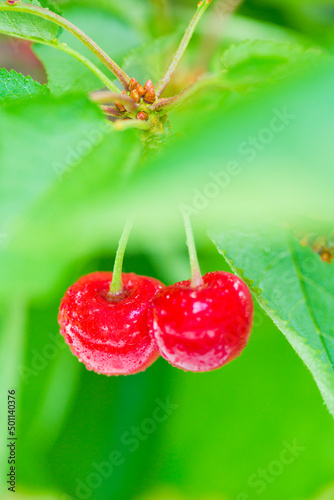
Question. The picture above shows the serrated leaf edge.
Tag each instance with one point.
(320, 372)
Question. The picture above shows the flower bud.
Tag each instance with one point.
(150, 93)
(142, 116)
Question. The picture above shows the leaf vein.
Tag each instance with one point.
(309, 308)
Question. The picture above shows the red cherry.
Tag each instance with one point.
(204, 327)
(110, 335)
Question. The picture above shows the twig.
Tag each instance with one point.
(71, 28)
(201, 8)
(109, 111)
(103, 97)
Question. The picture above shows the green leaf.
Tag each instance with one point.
(210, 171)
(310, 17)
(40, 140)
(65, 74)
(51, 5)
(294, 287)
(136, 13)
(151, 60)
(26, 25)
(256, 62)
(14, 86)
(78, 198)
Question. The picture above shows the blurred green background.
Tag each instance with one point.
(256, 429)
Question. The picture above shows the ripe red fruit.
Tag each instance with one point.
(204, 327)
(110, 335)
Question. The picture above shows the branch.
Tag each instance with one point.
(67, 25)
(94, 69)
(109, 111)
(102, 97)
(201, 8)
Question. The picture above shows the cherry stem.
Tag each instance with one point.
(102, 97)
(201, 8)
(71, 28)
(196, 275)
(94, 69)
(116, 287)
(110, 111)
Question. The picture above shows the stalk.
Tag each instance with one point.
(102, 97)
(94, 69)
(201, 8)
(71, 28)
(116, 287)
(196, 275)
(109, 111)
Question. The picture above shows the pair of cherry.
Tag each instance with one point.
(118, 324)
